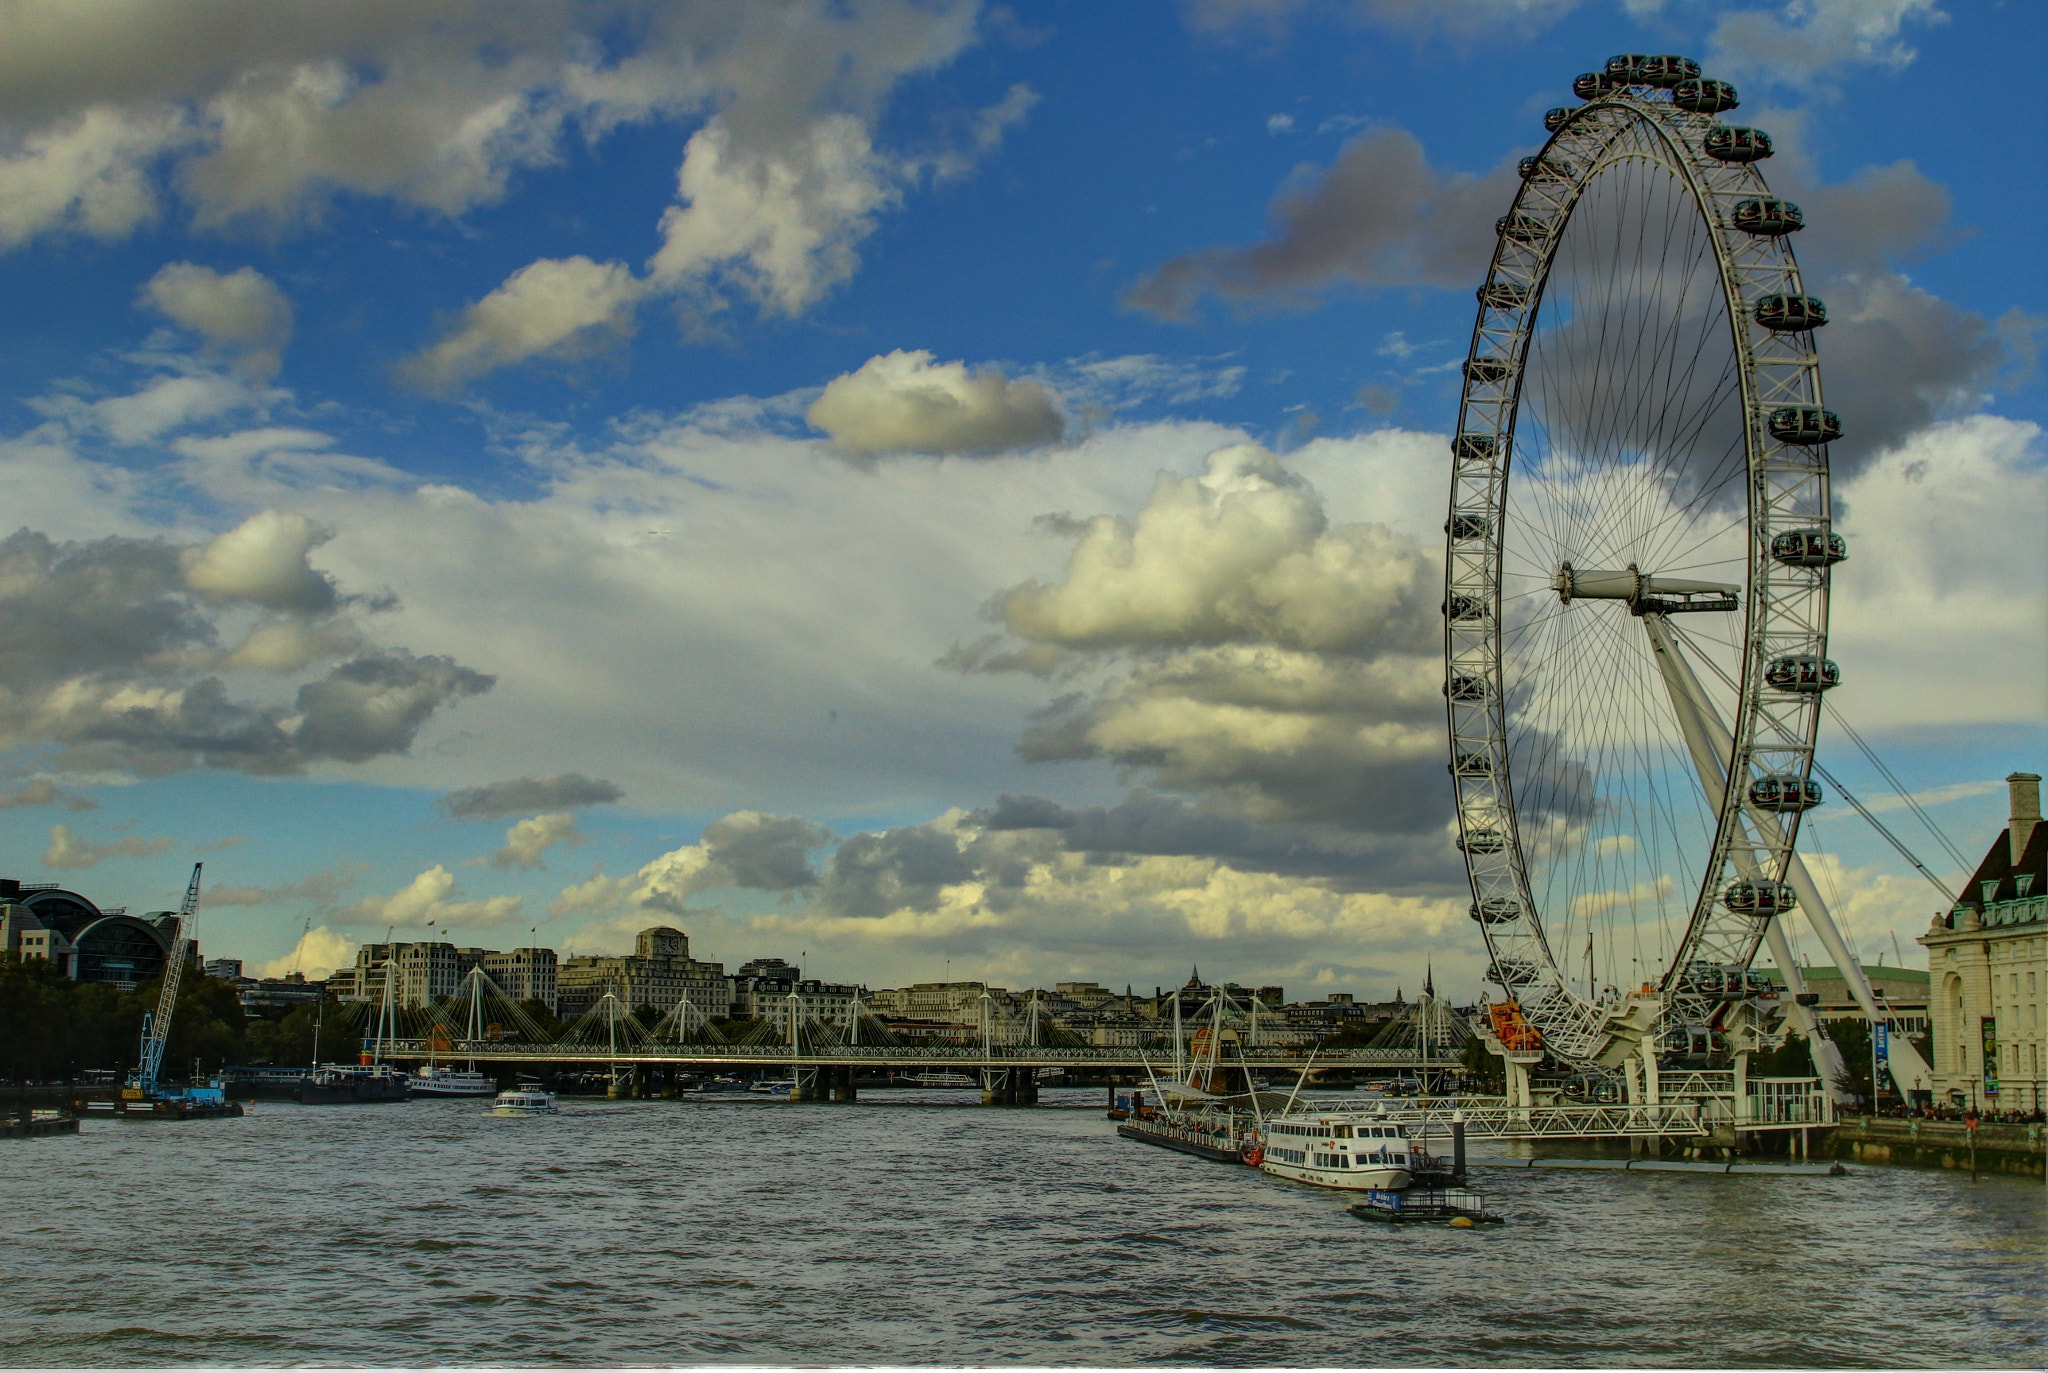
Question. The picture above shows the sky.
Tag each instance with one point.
(919, 489)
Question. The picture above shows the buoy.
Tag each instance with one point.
(1461, 1222)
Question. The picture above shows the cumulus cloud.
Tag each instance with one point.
(425, 900)
(317, 954)
(241, 314)
(499, 799)
(85, 171)
(1465, 18)
(102, 643)
(1379, 216)
(67, 851)
(908, 402)
(527, 842)
(746, 849)
(562, 308)
(41, 791)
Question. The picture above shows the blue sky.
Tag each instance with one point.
(474, 393)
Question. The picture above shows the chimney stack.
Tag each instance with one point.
(2026, 809)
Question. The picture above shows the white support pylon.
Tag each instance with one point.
(1708, 739)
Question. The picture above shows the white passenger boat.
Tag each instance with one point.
(1338, 1149)
(437, 1081)
(524, 1102)
(941, 1079)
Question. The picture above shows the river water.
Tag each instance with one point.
(892, 1232)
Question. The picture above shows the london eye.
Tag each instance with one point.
(1637, 563)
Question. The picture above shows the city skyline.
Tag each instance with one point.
(802, 483)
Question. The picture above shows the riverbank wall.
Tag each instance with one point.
(2018, 1149)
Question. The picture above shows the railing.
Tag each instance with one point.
(999, 1055)
(1542, 1122)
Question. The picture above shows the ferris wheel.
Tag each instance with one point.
(1636, 580)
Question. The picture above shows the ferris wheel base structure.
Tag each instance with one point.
(1642, 438)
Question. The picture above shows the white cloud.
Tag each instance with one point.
(527, 842)
(263, 561)
(66, 851)
(317, 954)
(1805, 38)
(241, 313)
(907, 402)
(556, 307)
(425, 900)
(86, 171)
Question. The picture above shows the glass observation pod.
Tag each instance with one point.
(1760, 900)
(1626, 68)
(1472, 765)
(1805, 425)
(1809, 548)
(1666, 70)
(1486, 370)
(1704, 97)
(1785, 792)
(1464, 688)
(1532, 167)
(1478, 447)
(1468, 526)
(1727, 143)
(1521, 228)
(1499, 295)
(1802, 672)
(1482, 841)
(1555, 119)
(1464, 609)
(1593, 85)
(1496, 910)
(1511, 972)
(1782, 314)
(1768, 218)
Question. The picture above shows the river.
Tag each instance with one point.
(889, 1232)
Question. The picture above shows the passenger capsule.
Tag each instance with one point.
(1785, 792)
(1726, 143)
(1809, 548)
(1472, 765)
(1486, 370)
(1806, 425)
(1804, 673)
(1511, 972)
(1465, 525)
(1759, 900)
(1783, 314)
(1477, 447)
(1626, 68)
(1667, 70)
(1482, 841)
(1496, 910)
(1533, 167)
(1521, 228)
(1553, 120)
(1465, 688)
(1464, 609)
(1768, 218)
(1704, 97)
(1591, 85)
(1500, 295)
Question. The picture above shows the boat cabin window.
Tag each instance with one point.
(1342, 1132)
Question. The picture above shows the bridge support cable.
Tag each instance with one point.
(1890, 838)
(1896, 785)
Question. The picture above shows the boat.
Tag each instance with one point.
(523, 1101)
(337, 1084)
(771, 1088)
(941, 1080)
(1338, 1149)
(433, 1081)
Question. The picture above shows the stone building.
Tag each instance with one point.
(763, 997)
(522, 974)
(658, 973)
(425, 972)
(1987, 964)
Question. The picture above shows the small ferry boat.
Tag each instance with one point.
(941, 1079)
(525, 1101)
(435, 1081)
(1339, 1149)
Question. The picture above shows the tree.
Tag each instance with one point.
(1481, 1067)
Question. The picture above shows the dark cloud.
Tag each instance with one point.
(529, 796)
(103, 642)
(1379, 216)
(871, 875)
(763, 852)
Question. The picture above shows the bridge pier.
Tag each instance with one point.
(1009, 1087)
(842, 1085)
(809, 1082)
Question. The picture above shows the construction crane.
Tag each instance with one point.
(156, 1029)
